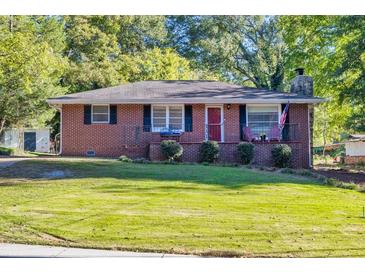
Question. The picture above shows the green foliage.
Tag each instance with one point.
(246, 49)
(44, 56)
(102, 49)
(156, 64)
(7, 151)
(331, 49)
(246, 152)
(208, 152)
(281, 155)
(29, 70)
(171, 149)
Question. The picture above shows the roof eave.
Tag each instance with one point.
(185, 101)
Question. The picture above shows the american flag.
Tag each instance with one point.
(283, 116)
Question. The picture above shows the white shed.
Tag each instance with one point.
(355, 149)
(29, 139)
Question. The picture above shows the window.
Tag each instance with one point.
(261, 119)
(167, 118)
(100, 114)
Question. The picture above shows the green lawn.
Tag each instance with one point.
(192, 209)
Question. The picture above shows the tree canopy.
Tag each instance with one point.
(43, 56)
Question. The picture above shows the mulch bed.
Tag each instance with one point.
(343, 175)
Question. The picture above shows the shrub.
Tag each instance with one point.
(125, 159)
(208, 151)
(171, 150)
(7, 151)
(246, 152)
(281, 155)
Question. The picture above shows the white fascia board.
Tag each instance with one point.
(186, 101)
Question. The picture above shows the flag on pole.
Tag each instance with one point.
(283, 116)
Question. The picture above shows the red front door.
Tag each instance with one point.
(214, 124)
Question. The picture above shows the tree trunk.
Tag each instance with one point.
(2, 125)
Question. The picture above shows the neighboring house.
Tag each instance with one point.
(132, 119)
(28, 139)
(355, 149)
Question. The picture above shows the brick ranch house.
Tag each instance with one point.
(132, 119)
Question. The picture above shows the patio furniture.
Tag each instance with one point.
(247, 133)
(274, 133)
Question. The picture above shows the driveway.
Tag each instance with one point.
(6, 161)
(39, 251)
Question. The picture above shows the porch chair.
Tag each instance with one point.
(274, 133)
(247, 134)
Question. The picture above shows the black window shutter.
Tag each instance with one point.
(147, 118)
(242, 119)
(113, 114)
(286, 129)
(188, 118)
(87, 114)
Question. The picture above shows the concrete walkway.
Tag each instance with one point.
(39, 251)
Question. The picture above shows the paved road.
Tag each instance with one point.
(39, 251)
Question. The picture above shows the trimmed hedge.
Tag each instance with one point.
(281, 155)
(246, 152)
(171, 150)
(209, 151)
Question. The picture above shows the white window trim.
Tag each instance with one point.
(263, 105)
(92, 114)
(222, 120)
(167, 108)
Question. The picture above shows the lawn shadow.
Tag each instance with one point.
(229, 177)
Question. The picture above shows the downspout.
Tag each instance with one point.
(59, 108)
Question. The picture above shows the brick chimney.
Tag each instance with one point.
(303, 85)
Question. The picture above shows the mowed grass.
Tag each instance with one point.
(190, 209)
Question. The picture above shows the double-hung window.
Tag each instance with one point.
(100, 114)
(167, 118)
(262, 119)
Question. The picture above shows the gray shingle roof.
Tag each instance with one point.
(181, 92)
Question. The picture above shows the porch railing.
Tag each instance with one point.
(270, 132)
(142, 135)
(214, 132)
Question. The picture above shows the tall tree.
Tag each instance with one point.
(96, 46)
(245, 49)
(330, 50)
(351, 69)
(29, 71)
(157, 64)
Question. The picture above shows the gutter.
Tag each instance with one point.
(72, 101)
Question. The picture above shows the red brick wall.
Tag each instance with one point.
(198, 133)
(127, 138)
(231, 123)
(105, 139)
(228, 153)
(298, 114)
